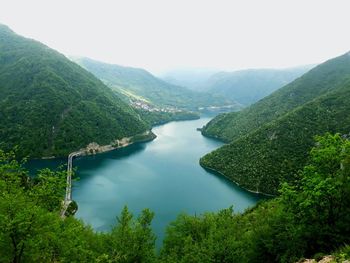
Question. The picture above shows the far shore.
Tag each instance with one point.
(220, 173)
(94, 148)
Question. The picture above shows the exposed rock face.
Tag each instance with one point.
(92, 148)
(325, 259)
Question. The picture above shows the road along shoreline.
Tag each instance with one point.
(95, 148)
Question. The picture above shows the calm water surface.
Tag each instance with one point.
(163, 175)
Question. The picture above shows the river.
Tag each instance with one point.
(163, 175)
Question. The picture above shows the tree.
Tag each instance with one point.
(132, 240)
(320, 202)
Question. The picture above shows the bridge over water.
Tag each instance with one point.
(68, 196)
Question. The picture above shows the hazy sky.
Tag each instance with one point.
(159, 34)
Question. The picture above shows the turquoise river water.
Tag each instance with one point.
(163, 175)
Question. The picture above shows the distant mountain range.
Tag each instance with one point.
(139, 84)
(243, 86)
(50, 106)
(269, 140)
(249, 86)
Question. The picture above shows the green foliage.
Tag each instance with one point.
(317, 82)
(270, 140)
(321, 199)
(211, 237)
(306, 220)
(31, 229)
(134, 82)
(132, 240)
(47, 188)
(28, 211)
(342, 254)
(50, 106)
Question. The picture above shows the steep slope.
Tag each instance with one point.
(50, 106)
(263, 157)
(140, 85)
(318, 81)
(249, 86)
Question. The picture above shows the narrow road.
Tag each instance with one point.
(68, 197)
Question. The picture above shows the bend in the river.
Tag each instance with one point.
(163, 175)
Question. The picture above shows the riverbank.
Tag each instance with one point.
(162, 175)
(213, 171)
(205, 134)
(95, 148)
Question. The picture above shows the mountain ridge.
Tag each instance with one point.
(250, 85)
(292, 95)
(139, 84)
(275, 147)
(51, 106)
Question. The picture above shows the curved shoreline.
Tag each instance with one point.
(213, 136)
(111, 147)
(230, 179)
(94, 148)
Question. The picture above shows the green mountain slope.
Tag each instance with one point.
(50, 106)
(249, 86)
(141, 85)
(318, 81)
(263, 157)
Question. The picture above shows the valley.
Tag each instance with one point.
(162, 175)
(179, 133)
(270, 140)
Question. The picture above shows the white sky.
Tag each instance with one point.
(159, 35)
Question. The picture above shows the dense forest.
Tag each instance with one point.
(318, 81)
(270, 139)
(139, 84)
(308, 219)
(50, 106)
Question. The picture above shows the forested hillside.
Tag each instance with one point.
(274, 153)
(260, 157)
(50, 106)
(309, 219)
(321, 79)
(251, 85)
(138, 84)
